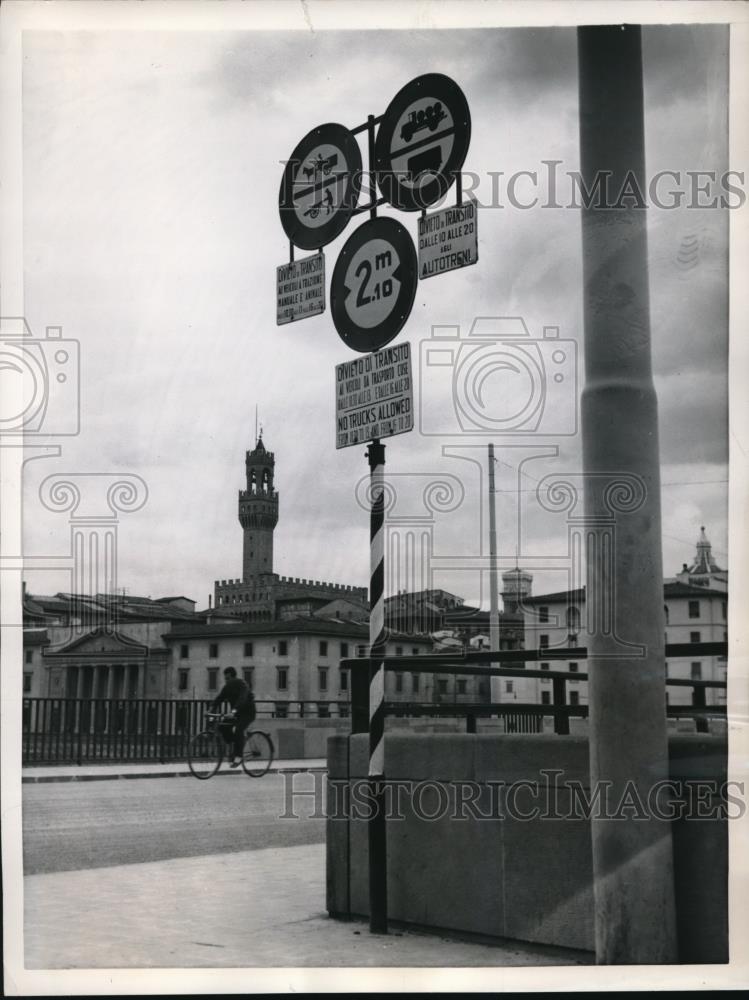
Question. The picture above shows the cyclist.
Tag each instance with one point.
(240, 697)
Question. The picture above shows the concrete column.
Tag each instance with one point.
(632, 858)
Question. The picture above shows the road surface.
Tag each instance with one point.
(69, 826)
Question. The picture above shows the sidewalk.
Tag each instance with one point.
(260, 908)
(146, 769)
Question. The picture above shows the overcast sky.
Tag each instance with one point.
(152, 164)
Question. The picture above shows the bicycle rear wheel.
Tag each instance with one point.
(258, 754)
(204, 754)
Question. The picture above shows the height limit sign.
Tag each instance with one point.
(374, 396)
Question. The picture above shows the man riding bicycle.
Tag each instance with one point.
(240, 697)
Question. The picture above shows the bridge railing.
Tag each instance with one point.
(560, 710)
(75, 730)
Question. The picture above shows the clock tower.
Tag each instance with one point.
(258, 511)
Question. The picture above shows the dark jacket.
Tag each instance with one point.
(237, 693)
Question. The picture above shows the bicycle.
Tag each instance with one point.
(207, 749)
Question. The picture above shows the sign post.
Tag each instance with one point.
(376, 829)
(416, 155)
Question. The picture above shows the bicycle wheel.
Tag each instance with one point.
(258, 754)
(204, 754)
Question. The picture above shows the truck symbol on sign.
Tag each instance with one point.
(428, 117)
(320, 166)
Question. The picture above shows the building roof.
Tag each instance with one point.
(291, 626)
(570, 596)
(35, 637)
(678, 589)
(120, 607)
(670, 589)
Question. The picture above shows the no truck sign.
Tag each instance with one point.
(374, 396)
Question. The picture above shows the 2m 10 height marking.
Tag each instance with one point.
(380, 289)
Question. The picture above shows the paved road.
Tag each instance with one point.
(75, 825)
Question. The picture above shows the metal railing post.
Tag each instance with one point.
(559, 698)
(699, 701)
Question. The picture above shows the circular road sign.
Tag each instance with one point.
(374, 284)
(320, 186)
(422, 142)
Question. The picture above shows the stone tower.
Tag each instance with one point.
(516, 586)
(258, 512)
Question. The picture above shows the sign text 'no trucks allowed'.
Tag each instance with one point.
(374, 396)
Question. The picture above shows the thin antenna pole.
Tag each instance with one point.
(493, 576)
(256, 421)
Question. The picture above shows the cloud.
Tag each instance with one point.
(152, 164)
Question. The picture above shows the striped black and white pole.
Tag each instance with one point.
(377, 648)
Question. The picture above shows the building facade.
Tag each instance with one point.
(287, 663)
(696, 611)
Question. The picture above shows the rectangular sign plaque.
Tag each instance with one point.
(448, 239)
(374, 396)
(300, 289)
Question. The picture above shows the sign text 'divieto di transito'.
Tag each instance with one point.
(374, 396)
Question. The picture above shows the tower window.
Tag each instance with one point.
(213, 650)
(694, 609)
(184, 651)
(344, 650)
(282, 678)
(323, 647)
(213, 679)
(543, 613)
(182, 680)
(248, 649)
(543, 641)
(696, 671)
(322, 678)
(283, 647)
(29, 655)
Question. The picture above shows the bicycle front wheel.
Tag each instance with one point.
(204, 754)
(258, 754)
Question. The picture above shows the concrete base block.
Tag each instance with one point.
(488, 870)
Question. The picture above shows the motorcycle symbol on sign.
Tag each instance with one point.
(326, 202)
(428, 117)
